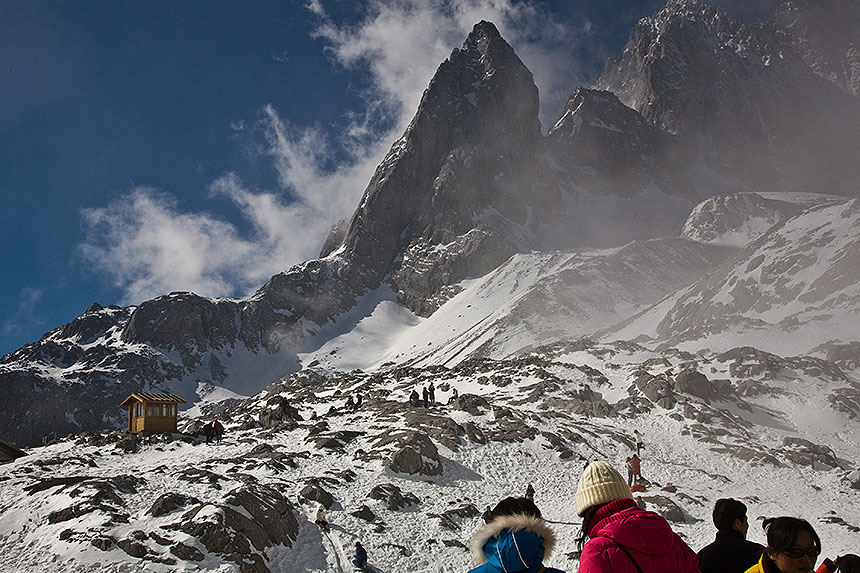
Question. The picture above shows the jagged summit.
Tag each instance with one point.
(824, 33)
(743, 95)
(611, 148)
(475, 130)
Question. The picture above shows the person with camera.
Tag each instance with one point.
(848, 563)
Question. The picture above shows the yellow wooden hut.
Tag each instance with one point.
(152, 412)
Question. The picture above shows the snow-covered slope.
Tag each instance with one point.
(794, 290)
(410, 482)
(531, 300)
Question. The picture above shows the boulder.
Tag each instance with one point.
(186, 552)
(392, 496)
(315, 492)
(471, 403)
(805, 453)
(695, 384)
(278, 414)
(133, 547)
(665, 507)
(251, 518)
(441, 428)
(657, 389)
(364, 513)
(103, 542)
(128, 444)
(417, 454)
(170, 501)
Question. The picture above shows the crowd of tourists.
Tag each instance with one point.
(618, 536)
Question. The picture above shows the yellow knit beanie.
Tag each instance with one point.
(600, 484)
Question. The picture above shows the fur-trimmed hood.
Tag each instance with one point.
(524, 540)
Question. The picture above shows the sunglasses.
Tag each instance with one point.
(798, 553)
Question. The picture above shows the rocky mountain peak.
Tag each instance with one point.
(824, 33)
(680, 50)
(476, 126)
(484, 38)
(745, 93)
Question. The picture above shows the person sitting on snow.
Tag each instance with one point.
(321, 520)
(360, 559)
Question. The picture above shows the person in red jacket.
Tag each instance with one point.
(617, 536)
(634, 470)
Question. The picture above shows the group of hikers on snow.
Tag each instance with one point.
(428, 396)
(618, 536)
(353, 404)
(213, 430)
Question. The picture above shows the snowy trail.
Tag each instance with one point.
(340, 559)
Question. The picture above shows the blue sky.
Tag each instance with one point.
(147, 147)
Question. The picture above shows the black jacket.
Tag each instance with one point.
(729, 553)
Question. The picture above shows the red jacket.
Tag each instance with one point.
(634, 465)
(647, 537)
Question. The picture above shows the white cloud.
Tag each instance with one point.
(148, 246)
(402, 42)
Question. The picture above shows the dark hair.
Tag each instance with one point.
(848, 563)
(515, 506)
(781, 533)
(587, 517)
(726, 511)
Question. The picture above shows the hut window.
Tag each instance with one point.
(149, 410)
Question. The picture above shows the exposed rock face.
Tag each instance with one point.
(746, 94)
(475, 129)
(266, 519)
(825, 36)
(393, 497)
(610, 148)
(334, 239)
(183, 322)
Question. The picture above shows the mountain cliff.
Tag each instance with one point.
(473, 198)
(770, 105)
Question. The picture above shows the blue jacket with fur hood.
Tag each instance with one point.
(512, 544)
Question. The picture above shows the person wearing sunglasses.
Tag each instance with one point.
(792, 547)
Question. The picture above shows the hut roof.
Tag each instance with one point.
(147, 397)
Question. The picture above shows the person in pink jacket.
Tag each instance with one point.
(617, 536)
